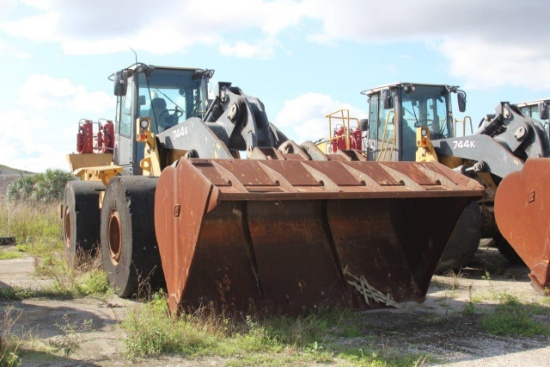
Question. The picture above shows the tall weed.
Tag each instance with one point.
(30, 223)
(9, 344)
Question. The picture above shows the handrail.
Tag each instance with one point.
(343, 115)
(386, 142)
(463, 122)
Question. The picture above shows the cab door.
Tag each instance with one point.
(126, 153)
(382, 132)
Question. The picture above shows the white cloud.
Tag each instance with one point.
(479, 38)
(34, 140)
(97, 103)
(369, 21)
(101, 27)
(304, 117)
(485, 66)
(22, 54)
(31, 143)
(262, 49)
(41, 91)
(36, 28)
(39, 4)
(488, 43)
(5, 49)
(6, 7)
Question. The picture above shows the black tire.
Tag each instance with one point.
(129, 249)
(507, 250)
(81, 220)
(463, 242)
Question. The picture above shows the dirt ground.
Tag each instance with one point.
(438, 326)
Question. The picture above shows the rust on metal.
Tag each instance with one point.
(522, 213)
(67, 227)
(293, 235)
(115, 237)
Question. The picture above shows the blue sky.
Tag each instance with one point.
(303, 59)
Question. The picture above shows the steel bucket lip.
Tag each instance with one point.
(266, 180)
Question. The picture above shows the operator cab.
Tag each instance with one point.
(539, 110)
(397, 110)
(168, 96)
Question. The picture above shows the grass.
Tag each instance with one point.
(88, 280)
(456, 278)
(246, 341)
(37, 229)
(71, 335)
(322, 337)
(9, 344)
(10, 254)
(513, 318)
(30, 223)
(44, 247)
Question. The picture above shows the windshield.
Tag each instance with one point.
(427, 106)
(169, 97)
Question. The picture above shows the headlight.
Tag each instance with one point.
(144, 123)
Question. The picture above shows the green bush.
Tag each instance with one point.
(41, 187)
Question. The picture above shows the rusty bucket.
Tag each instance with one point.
(290, 236)
(522, 213)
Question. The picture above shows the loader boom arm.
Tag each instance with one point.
(502, 143)
(234, 122)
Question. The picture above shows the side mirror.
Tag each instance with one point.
(461, 96)
(543, 110)
(121, 83)
(387, 99)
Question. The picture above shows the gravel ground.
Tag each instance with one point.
(438, 326)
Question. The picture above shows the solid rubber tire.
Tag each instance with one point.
(131, 200)
(463, 242)
(81, 220)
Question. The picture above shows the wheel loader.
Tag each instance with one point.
(411, 121)
(396, 111)
(200, 193)
(502, 144)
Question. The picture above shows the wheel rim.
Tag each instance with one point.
(67, 230)
(115, 238)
